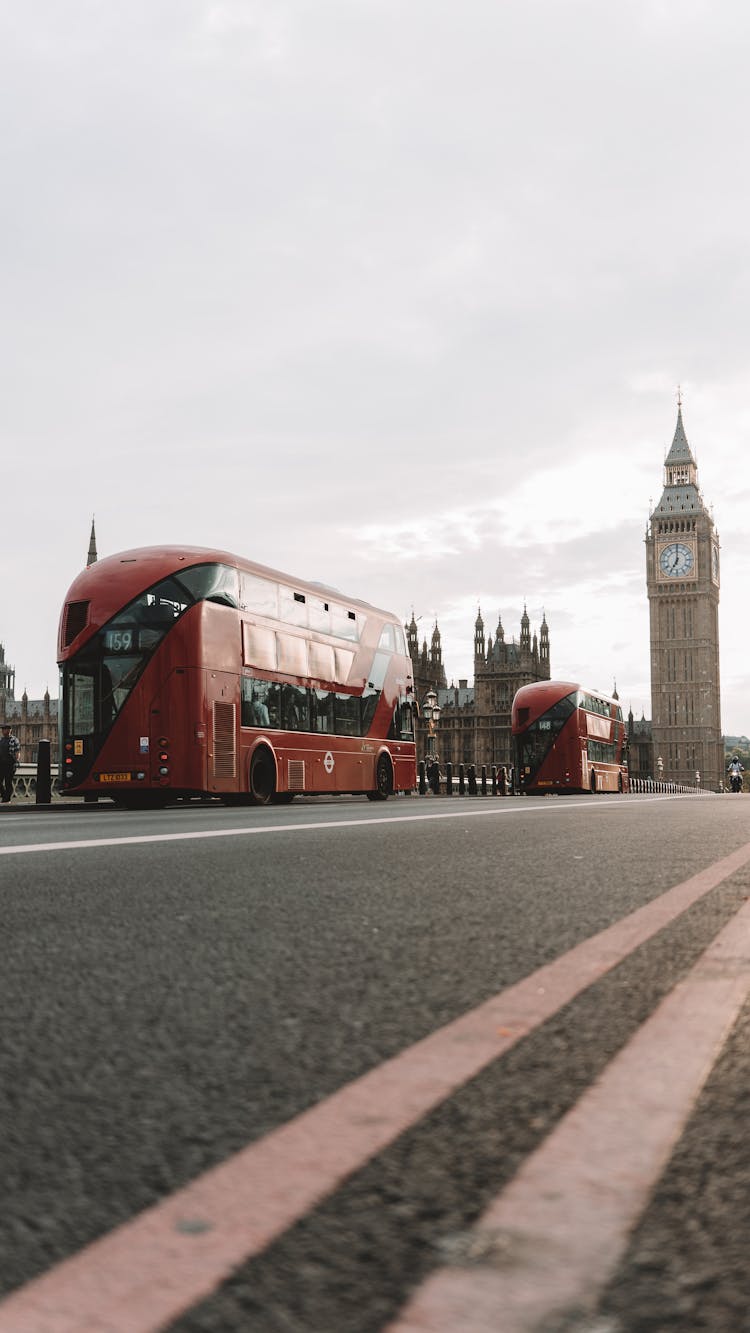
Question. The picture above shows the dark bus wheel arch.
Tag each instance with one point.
(262, 782)
(383, 780)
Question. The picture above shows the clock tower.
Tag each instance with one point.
(682, 573)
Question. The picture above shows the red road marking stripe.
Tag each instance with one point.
(147, 1272)
(551, 1239)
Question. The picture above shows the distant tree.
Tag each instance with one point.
(740, 746)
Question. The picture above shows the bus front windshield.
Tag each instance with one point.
(97, 682)
(535, 743)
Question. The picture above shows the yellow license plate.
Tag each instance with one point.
(115, 777)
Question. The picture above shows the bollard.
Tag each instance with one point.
(43, 778)
(494, 780)
(422, 778)
(461, 781)
(435, 778)
(503, 780)
(472, 780)
(484, 779)
(449, 778)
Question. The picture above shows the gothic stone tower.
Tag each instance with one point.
(500, 669)
(682, 573)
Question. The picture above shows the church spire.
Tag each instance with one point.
(479, 635)
(92, 556)
(544, 641)
(680, 450)
(525, 631)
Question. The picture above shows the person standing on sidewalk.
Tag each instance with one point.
(9, 748)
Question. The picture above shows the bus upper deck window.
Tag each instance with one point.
(213, 583)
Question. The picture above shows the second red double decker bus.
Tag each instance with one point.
(191, 672)
(568, 739)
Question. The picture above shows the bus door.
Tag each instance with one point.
(222, 725)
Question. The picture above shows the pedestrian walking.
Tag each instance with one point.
(9, 748)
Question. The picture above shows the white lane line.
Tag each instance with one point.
(546, 1247)
(135, 840)
(143, 1275)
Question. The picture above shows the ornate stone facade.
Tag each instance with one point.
(32, 720)
(474, 724)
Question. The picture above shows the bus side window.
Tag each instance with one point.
(407, 721)
(321, 710)
(255, 696)
(369, 704)
(402, 723)
(347, 714)
(295, 708)
(344, 623)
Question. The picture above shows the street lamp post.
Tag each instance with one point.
(660, 767)
(431, 715)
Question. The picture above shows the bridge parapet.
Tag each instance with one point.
(24, 782)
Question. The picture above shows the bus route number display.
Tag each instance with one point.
(119, 640)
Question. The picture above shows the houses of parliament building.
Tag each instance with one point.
(475, 719)
(32, 720)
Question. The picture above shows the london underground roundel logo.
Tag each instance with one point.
(328, 762)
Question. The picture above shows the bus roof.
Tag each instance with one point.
(116, 579)
(556, 689)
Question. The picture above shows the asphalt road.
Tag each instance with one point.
(176, 985)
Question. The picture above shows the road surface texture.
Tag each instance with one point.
(340, 1067)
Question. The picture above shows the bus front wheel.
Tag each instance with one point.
(383, 780)
(262, 777)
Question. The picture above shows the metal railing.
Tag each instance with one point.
(25, 778)
(468, 779)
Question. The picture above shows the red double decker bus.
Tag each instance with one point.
(568, 738)
(192, 672)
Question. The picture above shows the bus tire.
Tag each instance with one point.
(262, 777)
(593, 781)
(383, 780)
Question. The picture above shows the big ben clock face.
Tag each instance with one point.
(676, 561)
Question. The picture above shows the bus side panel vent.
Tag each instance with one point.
(225, 753)
(76, 619)
(296, 775)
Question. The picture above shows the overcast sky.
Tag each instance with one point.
(396, 296)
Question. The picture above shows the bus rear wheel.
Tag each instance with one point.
(262, 777)
(383, 780)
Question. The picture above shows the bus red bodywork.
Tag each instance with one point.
(192, 672)
(568, 738)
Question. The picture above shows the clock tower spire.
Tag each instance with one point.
(682, 574)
